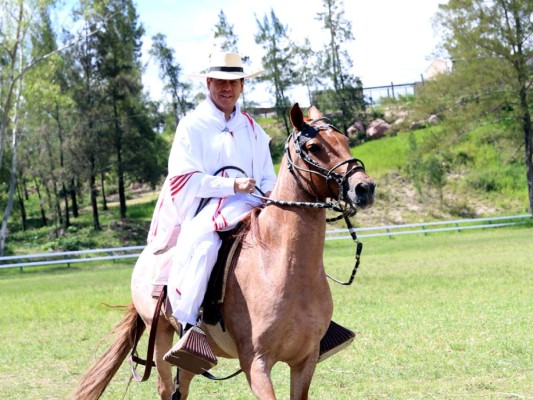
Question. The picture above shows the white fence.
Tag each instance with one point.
(428, 227)
(70, 257)
(106, 254)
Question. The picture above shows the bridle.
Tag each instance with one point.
(345, 208)
(299, 138)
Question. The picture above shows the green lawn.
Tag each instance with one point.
(444, 316)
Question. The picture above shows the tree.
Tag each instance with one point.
(169, 72)
(491, 44)
(224, 37)
(307, 65)
(88, 151)
(336, 63)
(47, 121)
(118, 65)
(277, 62)
(226, 40)
(19, 21)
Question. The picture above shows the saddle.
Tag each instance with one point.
(214, 296)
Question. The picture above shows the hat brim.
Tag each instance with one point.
(225, 75)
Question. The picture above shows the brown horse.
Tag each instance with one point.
(268, 308)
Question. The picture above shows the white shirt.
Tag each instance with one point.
(204, 143)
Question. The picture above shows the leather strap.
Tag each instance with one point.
(149, 361)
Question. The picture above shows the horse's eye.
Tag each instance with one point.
(314, 148)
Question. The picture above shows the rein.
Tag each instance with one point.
(299, 138)
(334, 206)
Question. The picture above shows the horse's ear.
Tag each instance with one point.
(297, 117)
(313, 113)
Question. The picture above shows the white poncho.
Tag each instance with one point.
(204, 143)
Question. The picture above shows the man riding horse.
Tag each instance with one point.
(200, 197)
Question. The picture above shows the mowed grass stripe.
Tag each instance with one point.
(444, 316)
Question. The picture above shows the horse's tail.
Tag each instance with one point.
(95, 380)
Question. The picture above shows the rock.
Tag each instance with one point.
(433, 119)
(416, 125)
(399, 122)
(356, 128)
(377, 129)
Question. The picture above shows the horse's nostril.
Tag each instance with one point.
(363, 189)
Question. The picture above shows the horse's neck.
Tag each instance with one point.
(294, 237)
(297, 222)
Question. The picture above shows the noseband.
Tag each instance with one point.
(299, 138)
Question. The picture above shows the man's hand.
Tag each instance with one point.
(244, 185)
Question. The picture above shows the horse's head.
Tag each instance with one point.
(322, 164)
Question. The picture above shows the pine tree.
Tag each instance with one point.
(170, 71)
(336, 64)
(277, 62)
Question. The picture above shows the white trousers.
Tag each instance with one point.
(197, 250)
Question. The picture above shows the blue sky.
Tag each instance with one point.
(394, 39)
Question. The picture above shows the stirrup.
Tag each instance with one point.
(192, 352)
(336, 339)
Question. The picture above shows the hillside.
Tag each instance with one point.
(482, 175)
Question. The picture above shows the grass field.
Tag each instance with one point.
(444, 316)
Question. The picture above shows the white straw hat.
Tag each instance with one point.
(225, 65)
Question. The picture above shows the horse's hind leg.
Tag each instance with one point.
(165, 383)
(163, 342)
(258, 375)
(301, 376)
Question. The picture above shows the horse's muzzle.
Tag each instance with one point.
(361, 195)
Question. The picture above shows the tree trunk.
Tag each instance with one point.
(41, 205)
(121, 191)
(20, 195)
(529, 153)
(48, 195)
(102, 185)
(120, 168)
(74, 199)
(9, 205)
(59, 216)
(94, 195)
(25, 187)
(67, 211)
(524, 81)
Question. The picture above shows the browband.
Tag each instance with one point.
(308, 132)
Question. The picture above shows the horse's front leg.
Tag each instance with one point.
(301, 376)
(257, 372)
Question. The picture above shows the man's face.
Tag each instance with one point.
(225, 93)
